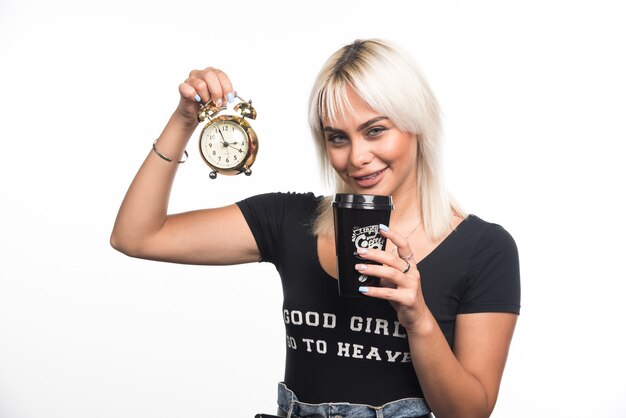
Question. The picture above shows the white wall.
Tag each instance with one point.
(534, 97)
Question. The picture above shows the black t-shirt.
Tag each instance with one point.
(342, 349)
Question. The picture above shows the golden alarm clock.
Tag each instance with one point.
(228, 144)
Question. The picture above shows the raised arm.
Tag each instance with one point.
(144, 228)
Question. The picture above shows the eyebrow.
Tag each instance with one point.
(362, 126)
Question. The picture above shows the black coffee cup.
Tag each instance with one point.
(357, 217)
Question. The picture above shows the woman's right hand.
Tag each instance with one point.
(200, 87)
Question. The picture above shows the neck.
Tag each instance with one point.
(407, 210)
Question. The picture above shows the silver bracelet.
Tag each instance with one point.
(169, 160)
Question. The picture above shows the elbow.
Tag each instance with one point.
(117, 243)
(463, 412)
(125, 246)
(133, 244)
(478, 405)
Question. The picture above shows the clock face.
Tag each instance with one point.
(224, 144)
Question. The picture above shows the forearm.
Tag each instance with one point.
(449, 389)
(144, 208)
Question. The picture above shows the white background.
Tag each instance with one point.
(534, 101)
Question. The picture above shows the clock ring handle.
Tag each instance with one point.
(210, 109)
(245, 108)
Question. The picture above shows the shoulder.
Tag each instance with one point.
(290, 198)
(480, 231)
(493, 270)
(281, 203)
(276, 217)
(491, 245)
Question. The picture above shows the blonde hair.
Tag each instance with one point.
(386, 78)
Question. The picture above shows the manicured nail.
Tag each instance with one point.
(361, 250)
(197, 98)
(218, 102)
(230, 97)
(383, 227)
(363, 289)
(361, 267)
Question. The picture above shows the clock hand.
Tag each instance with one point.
(232, 146)
(222, 135)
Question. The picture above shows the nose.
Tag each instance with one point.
(360, 153)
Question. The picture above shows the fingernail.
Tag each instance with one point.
(383, 227)
(361, 267)
(361, 250)
(197, 98)
(363, 289)
(218, 102)
(230, 97)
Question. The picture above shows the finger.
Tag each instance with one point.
(385, 273)
(218, 84)
(227, 86)
(187, 91)
(401, 297)
(207, 85)
(201, 87)
(386, 293)
(401, 243)
(382, 257)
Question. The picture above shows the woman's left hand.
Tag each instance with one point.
(400, 280)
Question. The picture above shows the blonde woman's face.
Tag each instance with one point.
(370, 153)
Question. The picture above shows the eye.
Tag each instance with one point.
(376, 131)
(336, 139)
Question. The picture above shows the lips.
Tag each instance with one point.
(369, 179)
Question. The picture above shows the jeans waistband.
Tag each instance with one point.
(403, 408)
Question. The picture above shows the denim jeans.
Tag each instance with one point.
(290, 407)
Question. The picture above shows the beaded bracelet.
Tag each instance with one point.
(169, 160)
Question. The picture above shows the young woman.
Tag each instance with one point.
(435, 335)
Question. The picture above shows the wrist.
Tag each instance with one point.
(425, 326)
(175, 136)
(184, 119)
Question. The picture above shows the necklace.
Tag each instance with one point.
(410, 233)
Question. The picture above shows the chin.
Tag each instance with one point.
(377, 190)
